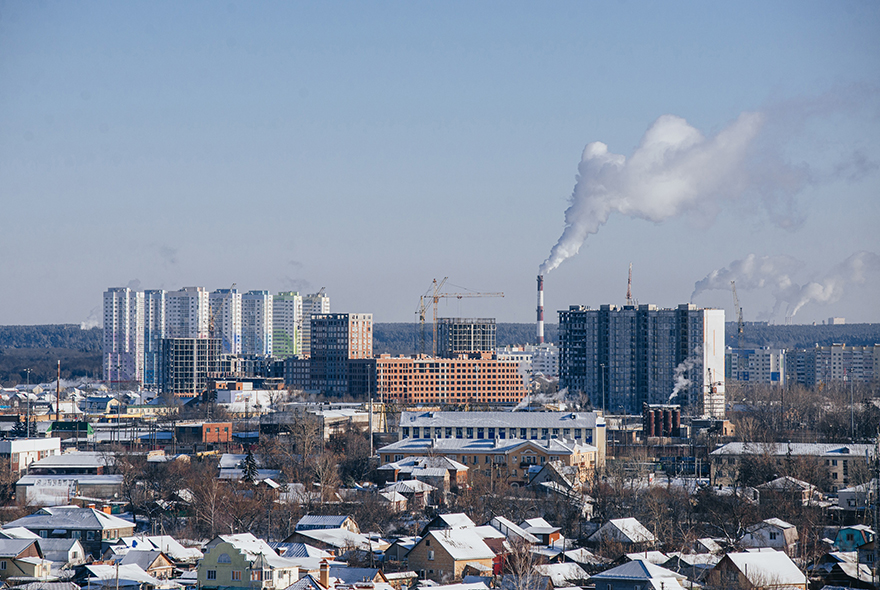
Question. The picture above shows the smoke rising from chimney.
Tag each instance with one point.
(774, 272)
(675, 170)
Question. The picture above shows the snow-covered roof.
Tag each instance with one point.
(655, 557)
(501, 419)
(624, 530)
(509, 528)
(462, 544)
(760, 567)
(794, 449)
(318, 521)
(71, 517)
(562, 574)
(410, 486)
(637, 570)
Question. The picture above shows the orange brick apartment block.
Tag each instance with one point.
(459, 380)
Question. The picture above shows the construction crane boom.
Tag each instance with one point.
(434, 298)
(739, 316)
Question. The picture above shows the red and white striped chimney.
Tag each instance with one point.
(540, 309)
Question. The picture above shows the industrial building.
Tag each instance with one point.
(457, 336)
(624, 357)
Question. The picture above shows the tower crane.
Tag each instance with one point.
(434, 298)
(629, 284)
(739, 316)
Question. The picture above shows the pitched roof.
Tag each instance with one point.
(11, 548)
(625, 530)
(759, 567)
(298, 550)
(501, 419)
(462, 544)
(795, 449)
(636, 570)
(509, 528)
(562, 574)
(70, 517)
(318, 521)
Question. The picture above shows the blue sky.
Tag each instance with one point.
(371, 147)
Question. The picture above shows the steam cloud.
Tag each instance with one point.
(681, 382)
(674, 170)
(774, 272)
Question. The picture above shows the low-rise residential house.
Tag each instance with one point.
(96, 405)
(546, 533)
(19, 453)
(417, 493)
(244, 561)
(628, 532)
(866, 553)
(505, 459)
(455, 520)
(298, 550)
(705, 545)
(337, 541)
(850, 538)
(91, 527)
(856, 499)
(637, 575)
(179, 555)
(563, 575)
(154, 563)
(406, 467)
(72, 463)
(393, 501)
(63, 553)
(401, 546)
(441, 555)
(696, 566)
(773, 533)
(513, 531)
(788, 489)
(311, 522)
(22, 558)
(757, 570)
(850, 575)
(123, 577)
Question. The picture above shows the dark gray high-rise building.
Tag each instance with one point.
(187, 363)
(625, 357)
(457, 336)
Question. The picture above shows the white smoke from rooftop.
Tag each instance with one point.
(775, 273)
(680, 380)
(674, 170)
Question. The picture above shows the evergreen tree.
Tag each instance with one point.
(249, 467)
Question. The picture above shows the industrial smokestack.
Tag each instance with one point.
(540, 309)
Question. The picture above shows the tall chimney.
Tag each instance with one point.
(540, 309)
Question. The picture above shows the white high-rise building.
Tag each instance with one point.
(287, 319)
(123, 335)
(187, 313)
(314, 304)
(154, 332)
(256, 323)
(226, 315)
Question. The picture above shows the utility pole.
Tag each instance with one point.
(58, 394)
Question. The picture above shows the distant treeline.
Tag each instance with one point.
(756, 334)
(52, 336)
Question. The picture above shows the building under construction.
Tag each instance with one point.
(457, 336)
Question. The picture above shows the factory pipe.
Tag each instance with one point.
(540, 309)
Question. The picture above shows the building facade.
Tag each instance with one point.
(457, 336)
(580, 427)
(479, 379)
(755, 365)
(256, 323)
(154, 332)
(314, 304)
(225, 321)
(337, 339)
(123, 335)
(625, 357)
(287, 321)
(187, 313)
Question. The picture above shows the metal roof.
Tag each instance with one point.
(502, 419)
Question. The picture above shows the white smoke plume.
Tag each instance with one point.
(751, 272)
(830, 288)
(775, 272)
(93, 320)
(682, 383)
(674, 170)
(558, 397)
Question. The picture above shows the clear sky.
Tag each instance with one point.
(369, 147)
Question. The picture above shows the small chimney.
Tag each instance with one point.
(324, 576)
(92, 506)
(106, 509)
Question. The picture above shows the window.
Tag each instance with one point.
(236, 575)
(224, 558)
(90, 535)
(772, 536)
(212, 574)
(427, 542)
(430, 555)
(3, 565)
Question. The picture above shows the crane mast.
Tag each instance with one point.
(739, 316)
